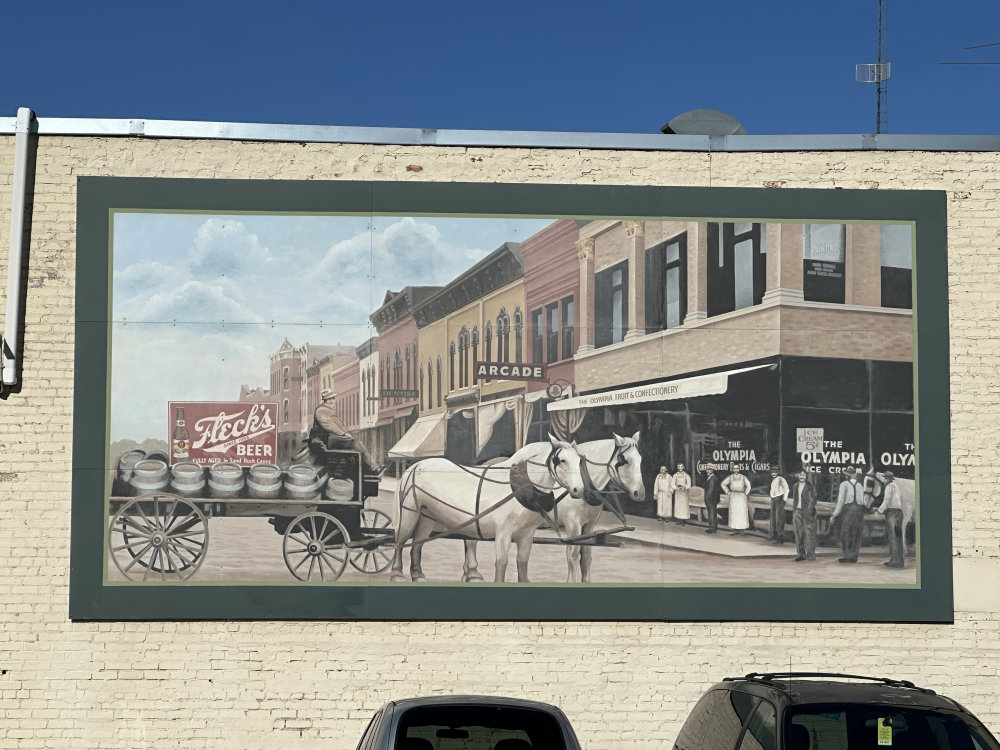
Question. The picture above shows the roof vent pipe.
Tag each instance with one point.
(11, 343)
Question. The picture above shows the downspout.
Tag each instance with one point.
(10, 351)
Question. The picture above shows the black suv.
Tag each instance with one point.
(821, 711)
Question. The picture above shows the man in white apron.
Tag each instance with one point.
(682, 507)
(663, 489)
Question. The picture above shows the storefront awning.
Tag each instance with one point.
(700, 385)
(424, 439)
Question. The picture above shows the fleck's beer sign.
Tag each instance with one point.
(210, 432)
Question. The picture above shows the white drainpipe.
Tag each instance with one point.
(10, 351)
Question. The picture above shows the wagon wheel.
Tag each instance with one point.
(164, 541)
(371, 556)
(315, 547)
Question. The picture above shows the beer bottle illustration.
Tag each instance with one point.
(180, 442)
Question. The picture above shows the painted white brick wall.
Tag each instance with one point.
(309, 685)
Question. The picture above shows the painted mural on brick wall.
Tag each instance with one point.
(426, 398)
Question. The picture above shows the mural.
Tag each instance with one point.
(371, 400)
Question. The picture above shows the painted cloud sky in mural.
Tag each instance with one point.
(222, 292)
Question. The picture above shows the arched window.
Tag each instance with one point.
(430, 383)
(503, 336)
(451, 366)
(475, 345)
(397, 374)
(439, 380)
(284, 410)
(421, 398)
(489, 340)
(285, 380)
(518, 335)
(407, 357)
(463, 357)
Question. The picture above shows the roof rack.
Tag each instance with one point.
(773, 677)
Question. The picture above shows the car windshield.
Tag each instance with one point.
(478, 728)
(873, 727)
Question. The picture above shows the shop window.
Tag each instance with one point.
(567, 327)
(611, 304)
(897, 266)
(824, 248)
(666, 284)
(552, 332)
(736, 266)
(537, 336)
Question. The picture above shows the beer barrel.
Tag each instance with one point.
(187, 479)
(340, 489)
(150, 475)
(225, 480)
(302, 482)
(124, 467)
(264, 482)
(159, 455)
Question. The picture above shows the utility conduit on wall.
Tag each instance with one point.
(10, 351)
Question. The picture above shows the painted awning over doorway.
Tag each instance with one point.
(424, 439)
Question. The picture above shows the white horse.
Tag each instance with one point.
(437, 497)
(609, 466)
(907, 496)
(615, 462)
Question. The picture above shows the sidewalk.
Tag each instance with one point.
(689, 537)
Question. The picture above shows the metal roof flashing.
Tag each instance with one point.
(197, 130)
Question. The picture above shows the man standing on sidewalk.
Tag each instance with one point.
(892, 509)
(712, 493)
(851, 506)
(779, 491)
(663, 490)
(682, 506)
(804, 518)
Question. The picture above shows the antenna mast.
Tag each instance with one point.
(878, 72)
(882, 107)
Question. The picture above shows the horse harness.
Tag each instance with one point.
(526, 492)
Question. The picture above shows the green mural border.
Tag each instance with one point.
(92, 599)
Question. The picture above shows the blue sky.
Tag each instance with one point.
(779, 66)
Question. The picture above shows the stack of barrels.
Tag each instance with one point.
(140, 473)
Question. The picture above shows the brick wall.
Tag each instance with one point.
(312, 684)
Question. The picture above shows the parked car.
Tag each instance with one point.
(821, 711)
(468, 722)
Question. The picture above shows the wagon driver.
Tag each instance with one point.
(330, 432)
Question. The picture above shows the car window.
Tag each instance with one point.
(869, 727)
(366, 738)
(761, 731)
(716, 721)
(444, 727)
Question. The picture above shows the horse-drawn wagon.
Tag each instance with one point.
(160, 514)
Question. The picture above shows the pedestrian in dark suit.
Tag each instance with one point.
(803, 499)
(712, 493)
